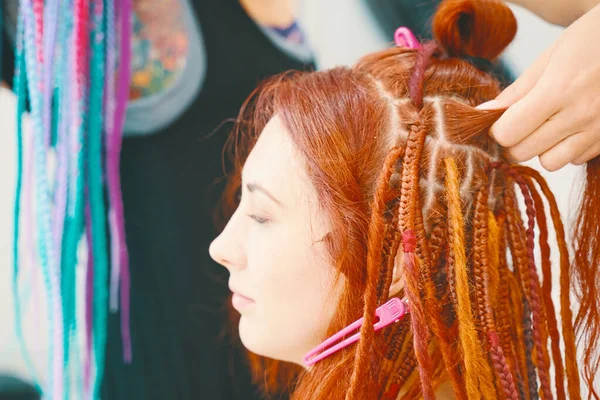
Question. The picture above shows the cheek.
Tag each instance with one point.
(295, 298)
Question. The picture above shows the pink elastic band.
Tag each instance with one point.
(388, 313)
(405, 38)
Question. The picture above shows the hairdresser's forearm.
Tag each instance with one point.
(560, 12)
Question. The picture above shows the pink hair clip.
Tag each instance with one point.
(388, 313)
(405, 38)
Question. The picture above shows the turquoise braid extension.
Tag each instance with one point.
(66, 235)
(96, 189)
(46, 248)
(20, 88)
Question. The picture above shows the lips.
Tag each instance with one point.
(239, 301)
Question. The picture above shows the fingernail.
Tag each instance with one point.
(488, 105)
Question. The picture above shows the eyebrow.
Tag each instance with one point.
(255, 187)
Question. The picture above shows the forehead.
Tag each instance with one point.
(276, 163)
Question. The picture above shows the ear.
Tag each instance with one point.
(397, 276)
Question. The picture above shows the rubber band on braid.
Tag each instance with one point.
(572, 368)
(547, 289)
(375, 245)
(531, 278)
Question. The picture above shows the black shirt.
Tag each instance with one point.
(171, 181)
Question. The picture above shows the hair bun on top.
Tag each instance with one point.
(474, 28)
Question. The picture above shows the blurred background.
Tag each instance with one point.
(340, 32)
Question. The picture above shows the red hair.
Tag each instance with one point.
(399, 155)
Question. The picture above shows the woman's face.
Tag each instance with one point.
(283, 283)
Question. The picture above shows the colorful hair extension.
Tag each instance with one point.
(20, 88)
(61, 124)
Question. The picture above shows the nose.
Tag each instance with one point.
(227, 248)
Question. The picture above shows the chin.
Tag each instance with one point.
(261, 343)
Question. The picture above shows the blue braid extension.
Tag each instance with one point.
(20, 88)
(46, 248)
(96, 189)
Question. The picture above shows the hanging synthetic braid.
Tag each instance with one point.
(547, 289)
(572, 368)
(65, 76)
(477, 372)
(483, 297)
(530, 280)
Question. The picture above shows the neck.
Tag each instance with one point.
(276, 13)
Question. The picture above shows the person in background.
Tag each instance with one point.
(194, 62)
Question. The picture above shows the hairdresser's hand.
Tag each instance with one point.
(554, 107)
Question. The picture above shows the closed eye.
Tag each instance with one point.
(260, 220)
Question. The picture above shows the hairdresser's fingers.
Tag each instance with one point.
(552, 132)
(526, 115)
(523, 85)
(567, 150)
(588, 154)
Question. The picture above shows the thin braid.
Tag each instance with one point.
(480, 257)
(434, 309)
(409, 191)
(408, 201)
(398, 361)
(531, 278)
(375, 244)
(478, 375)
(529, 348)
(437, 240)
(503, 306)
(572, 368)
(516, 308)
(499, 356)
(482, 292)
(519, 300)
(414, 390)
(547, 289)
(390, 263)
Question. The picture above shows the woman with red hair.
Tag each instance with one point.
(363, 184)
